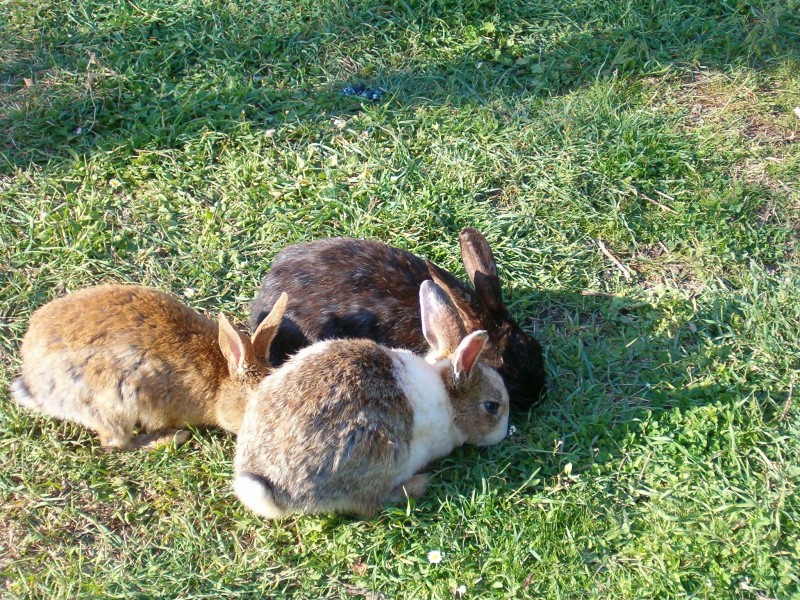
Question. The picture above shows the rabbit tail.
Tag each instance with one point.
(255, 492)
(22, 395)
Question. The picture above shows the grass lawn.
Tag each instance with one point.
(182, 144)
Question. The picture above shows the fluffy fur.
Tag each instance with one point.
(345, 425)
(348, 288)
(112, 356)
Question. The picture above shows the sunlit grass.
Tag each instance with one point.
(182, 145)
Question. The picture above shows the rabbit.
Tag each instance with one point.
(347, 424)
(348, 288)
(112, 356)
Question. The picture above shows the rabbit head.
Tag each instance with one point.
(477, 393)
(248, 362)
(248, 359)
(516, 354)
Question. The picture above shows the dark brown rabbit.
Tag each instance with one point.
(112, 356)
(348, 288)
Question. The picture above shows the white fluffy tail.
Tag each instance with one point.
(256, 494)
(22, 395)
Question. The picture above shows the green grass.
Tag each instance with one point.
(183, 144)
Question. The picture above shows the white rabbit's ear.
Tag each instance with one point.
(441, 324)
(234, 345)
(265, 333)
(467, 353)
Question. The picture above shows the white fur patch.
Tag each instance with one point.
(434, 434)
(19, 392)
(256, 496)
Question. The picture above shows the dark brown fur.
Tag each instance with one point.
(348, 288)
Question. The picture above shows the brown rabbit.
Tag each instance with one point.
(348, 288)
(112, 356)
(345, 425)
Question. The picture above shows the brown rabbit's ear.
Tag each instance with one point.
(468, 352)
(460, 295)
(265, 332)
(234, 345)
(481, 268)
(441, 325)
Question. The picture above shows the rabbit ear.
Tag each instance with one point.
(234, 345)
(441, 325)
(264, 334)
(460, 295)
(481, 268)
(468, 352)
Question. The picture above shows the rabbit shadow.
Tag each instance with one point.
(612, 364)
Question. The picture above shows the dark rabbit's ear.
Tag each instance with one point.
(441, 324)
(481, 268)
(462, 297)
(265, 333)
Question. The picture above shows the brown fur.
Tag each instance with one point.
(112, 356)
(341, 410)
(468, 397)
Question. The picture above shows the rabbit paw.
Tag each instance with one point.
(151, 441)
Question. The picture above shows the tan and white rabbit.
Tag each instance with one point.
(112, 356)
(345, 425)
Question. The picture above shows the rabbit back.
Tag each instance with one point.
(380, 283)
(111, 356)
(329, 431)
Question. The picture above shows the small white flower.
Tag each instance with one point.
(512, 430)
(339, 123)
(461, 590)
(79, 131)
(188, 292)
(270, 132)
(115, 183)
(434, 557)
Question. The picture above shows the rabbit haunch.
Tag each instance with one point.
(112, 356)
(345, 425)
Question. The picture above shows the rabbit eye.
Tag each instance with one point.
(491, 407)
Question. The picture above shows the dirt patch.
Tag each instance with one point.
(741, 112)
(9, 540)
(739, 106)
(660, 268)
(760, 130)
(756, 172)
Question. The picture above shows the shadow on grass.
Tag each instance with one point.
(126, 79)
(613, 367)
